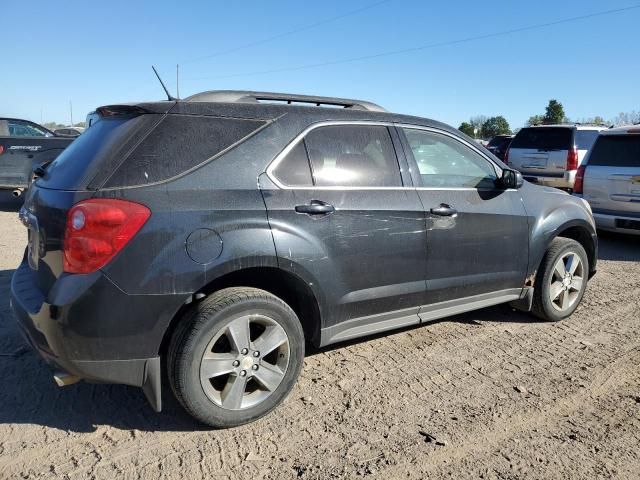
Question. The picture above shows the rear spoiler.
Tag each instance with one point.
(126, 109)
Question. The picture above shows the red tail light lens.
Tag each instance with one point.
(97, 229)
(1, 149)
(506, 157)
(572, 159)
(578, 185)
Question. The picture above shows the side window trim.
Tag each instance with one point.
(413, 166)
(300, 138)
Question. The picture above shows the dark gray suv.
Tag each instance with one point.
(221, 233)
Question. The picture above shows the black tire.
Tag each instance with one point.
(542, 303)
(202, 323)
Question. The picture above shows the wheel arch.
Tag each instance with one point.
(285, 285)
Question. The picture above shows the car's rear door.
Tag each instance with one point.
(345, 218)
(477, 232)
(612, 175)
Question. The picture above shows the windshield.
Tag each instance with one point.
(616, 151)
(544, 138)
(70, 168)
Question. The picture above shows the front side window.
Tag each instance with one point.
(445, 162)
(353, 156)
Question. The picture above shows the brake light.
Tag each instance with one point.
(1, 149)
(578, 185)
(506, 157)
(97, 229)
(572, 159)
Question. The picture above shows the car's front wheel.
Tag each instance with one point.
(561, 280)
(235, 356)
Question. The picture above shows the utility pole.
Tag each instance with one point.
(177, 81)
(71, 112)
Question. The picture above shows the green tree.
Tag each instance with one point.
(495, 126)
(467, 128)
(477, 122)
(535, 120)
(554, 112)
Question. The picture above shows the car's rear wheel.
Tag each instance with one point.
(561, 280)
(235, 356)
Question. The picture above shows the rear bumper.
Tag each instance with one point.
(620, 223)
(89, 328)
(566, 180)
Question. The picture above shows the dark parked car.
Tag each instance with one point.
(499, 145)
(24, 146)
(220, 233)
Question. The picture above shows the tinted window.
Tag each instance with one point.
(544, 138)
(70, 167)
(177, 144)
(586, 138)
(353, 156)
(293, 170)
(495, 141)
(616, 151)
(445, 162)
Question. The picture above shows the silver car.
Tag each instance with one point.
(551, 154)
(609, 180)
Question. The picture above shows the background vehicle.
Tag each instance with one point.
(69, 131)
(24, 146)
(222, 232)
(609, 180)
(551, 154)
(92, 118)
(499, 144)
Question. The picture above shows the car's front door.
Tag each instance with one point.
(343, 216)
(477, 232)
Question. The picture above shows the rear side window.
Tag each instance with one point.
(177, 144)
(24, 129)
(544, 138)
(586, 138)
(293, 170)
(616, 151)
(353, 156)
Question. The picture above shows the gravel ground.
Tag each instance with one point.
(489, 394)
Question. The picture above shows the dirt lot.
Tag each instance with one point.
(490, 394)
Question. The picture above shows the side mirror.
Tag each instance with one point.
(511, 178)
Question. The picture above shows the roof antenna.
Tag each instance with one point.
(173, 99)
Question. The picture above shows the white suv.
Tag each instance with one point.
(551, 154)
(609, 180)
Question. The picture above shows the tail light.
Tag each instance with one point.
(1, 149)
(506, 157)
(578, 185)
(97, 229)
(572, 159)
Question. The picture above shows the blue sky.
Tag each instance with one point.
(96, 53)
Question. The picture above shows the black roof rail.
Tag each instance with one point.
(240, 96)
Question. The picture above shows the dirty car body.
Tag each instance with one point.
(252, 194)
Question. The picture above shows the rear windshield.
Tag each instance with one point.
(586, 138)
(71, 169)
(616, 151)
(495, 141)
(544, 138)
